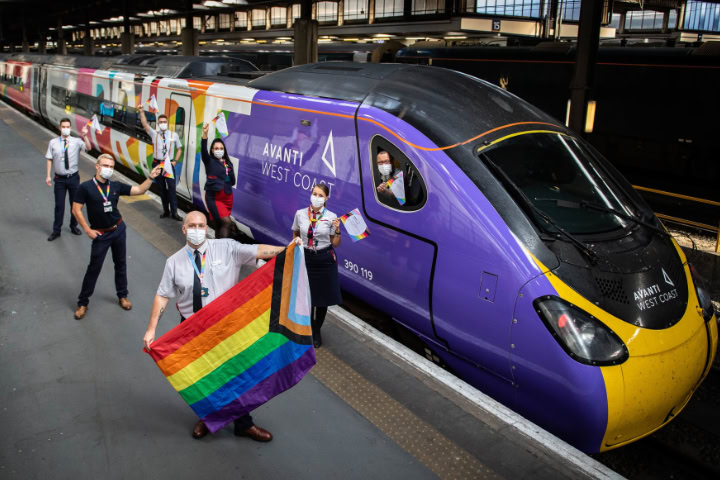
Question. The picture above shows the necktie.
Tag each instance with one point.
(197, 293)
(67, 160)
(311, 241)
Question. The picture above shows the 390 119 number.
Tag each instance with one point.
(353, 267)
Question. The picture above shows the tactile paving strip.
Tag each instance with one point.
(434, 450)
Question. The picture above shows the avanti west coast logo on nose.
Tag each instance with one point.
(652, 296)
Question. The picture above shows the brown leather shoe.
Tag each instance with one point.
(125, 304)
(256, 433)
(80, 312)
(200, 430)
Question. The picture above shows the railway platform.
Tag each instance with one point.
(80, 399)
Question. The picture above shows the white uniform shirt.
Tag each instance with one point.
(56, 153)
(166, 141)
(321, 236)
(223, 262)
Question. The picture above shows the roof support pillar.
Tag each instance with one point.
(190, 37)
(25, 43)
(61, 48)
(306, 35)
(587, 47)
(88, 43)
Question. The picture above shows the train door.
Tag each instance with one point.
(179, 122)
(402, 256)
(43, 89)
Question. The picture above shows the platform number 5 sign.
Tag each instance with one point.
(495, 25)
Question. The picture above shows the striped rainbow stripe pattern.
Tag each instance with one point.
(247, 346)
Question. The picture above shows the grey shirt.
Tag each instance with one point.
(56, 153)
(323, 232)
(223, 261)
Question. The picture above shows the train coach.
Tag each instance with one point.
(523, 259)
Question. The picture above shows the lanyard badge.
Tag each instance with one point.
(107, 205)
(204, 292)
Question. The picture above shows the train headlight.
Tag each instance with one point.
(582, 336)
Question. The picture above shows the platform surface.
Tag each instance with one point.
(80, 399)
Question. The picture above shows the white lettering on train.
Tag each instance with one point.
(283, 154)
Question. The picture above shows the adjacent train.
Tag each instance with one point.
(524, 259)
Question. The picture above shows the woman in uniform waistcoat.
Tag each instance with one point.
(218, 187)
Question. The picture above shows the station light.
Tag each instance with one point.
(214, 4)
(455, 37)
(382, 35)
(590, 116)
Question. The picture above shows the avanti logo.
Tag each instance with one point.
(667, 278)
(331, 146)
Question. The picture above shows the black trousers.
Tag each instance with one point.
(167, 191)
(62, 186)
(244, 422)
(114, 241)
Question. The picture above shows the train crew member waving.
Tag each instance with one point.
(197, 274)
(166, 145)
(220, 180)
(62, 156)
(106, 228)
(319, 229)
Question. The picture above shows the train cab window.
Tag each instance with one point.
(389, 166)
(57, 96)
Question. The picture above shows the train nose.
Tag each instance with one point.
(647, 391)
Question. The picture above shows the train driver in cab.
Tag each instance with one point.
(166, 145)
(388, 171)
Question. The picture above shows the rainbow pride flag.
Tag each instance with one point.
(247, 346)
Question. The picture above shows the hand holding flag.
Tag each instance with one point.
(221, 124)
(152, 104)
(94, 123)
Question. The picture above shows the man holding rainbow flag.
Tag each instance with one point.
(243, 343)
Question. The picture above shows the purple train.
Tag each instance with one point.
(520, 256)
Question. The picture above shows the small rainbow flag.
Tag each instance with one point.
(397, 187)
(221, 124)
(355, 225)
(247, 346)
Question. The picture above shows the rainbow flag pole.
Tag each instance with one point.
(247, 346)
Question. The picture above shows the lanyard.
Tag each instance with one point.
(314, 222)
(104, 195)
(200, 273)
(164, 143)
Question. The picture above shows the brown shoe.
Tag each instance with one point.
(200, 430)
(80, 312)
(256, 433)
(125, 304)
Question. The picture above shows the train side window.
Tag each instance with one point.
(57, 96)
(180, 123)
(384, 152)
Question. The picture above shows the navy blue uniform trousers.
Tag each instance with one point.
(61, 187)
(115, 241)
(167, 191)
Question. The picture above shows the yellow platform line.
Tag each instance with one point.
(433, 449)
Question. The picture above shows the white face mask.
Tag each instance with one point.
(65, 131)
(219, 154)
(196, 236)
(163, 126)
(316, 201)
(106, 172)
(385, 169)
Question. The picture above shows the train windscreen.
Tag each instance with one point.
(561, 181)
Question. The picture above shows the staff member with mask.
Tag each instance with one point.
(166, 144)
(62, 156)
(220, 180)
(197, 274)
(319, 229)
(106, 229)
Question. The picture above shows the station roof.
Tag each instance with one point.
(40, 16)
